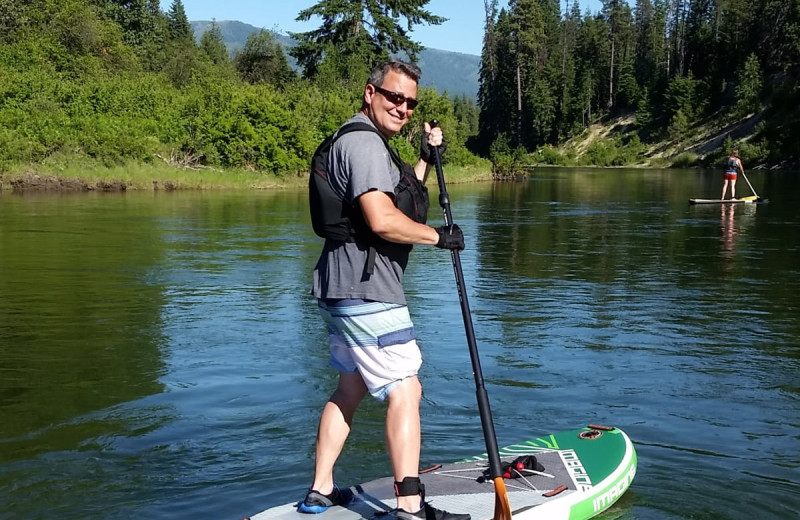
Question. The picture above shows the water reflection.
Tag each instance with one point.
(79, 332)
(161, 356)
(728, 227)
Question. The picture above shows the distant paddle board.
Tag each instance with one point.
(743, 200)
(581, 473)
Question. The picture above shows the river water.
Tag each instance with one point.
(161, 358)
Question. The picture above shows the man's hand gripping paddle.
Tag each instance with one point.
(502, 507)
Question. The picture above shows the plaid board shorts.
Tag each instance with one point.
(373, 338)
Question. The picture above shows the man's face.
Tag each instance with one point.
(388, 107)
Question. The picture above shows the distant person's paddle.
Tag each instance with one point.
(502, 508)
(755, 195)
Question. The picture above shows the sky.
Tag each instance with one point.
(463, 32)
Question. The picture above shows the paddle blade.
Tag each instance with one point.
(502, 508)
(752, 197)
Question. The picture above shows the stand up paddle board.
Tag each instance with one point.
(743, 200)
(576, 475)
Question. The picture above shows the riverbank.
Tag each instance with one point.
(84, 177)
(615, 141)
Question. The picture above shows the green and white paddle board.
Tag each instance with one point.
(585, 472)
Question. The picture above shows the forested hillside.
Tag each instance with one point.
(110, 82)
(679, 67)
(107, 82)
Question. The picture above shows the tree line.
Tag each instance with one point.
(548, 69)
(109, 81)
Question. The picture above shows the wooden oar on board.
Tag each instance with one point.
(502, 507)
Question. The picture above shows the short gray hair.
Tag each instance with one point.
(379, 73)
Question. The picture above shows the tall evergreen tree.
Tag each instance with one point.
(466, 113)
(368, 29)
(592, 69)
(618, 18)
(179, 26)
(498, 91)
(567, 45)
(777, 30)
(137, 19)
(487, 78)
(650, 58)
(528, 37)
(262, 60)
(748, 88)
(489, 51)
(678, 12)
(213, 45)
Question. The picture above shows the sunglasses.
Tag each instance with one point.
(397, 99)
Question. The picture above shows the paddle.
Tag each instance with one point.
(502, 508)
(755, 197)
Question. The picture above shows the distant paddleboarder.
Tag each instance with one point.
(733, 165)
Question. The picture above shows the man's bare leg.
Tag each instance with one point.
(403, 435)
(334, 427)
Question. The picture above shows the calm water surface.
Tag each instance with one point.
(160, 356)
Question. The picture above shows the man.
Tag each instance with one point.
(372, 339)
(732, 166)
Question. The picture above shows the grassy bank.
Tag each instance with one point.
(83, 175)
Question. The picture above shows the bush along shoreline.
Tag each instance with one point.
(155, 177)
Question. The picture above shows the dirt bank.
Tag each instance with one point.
(36, 182)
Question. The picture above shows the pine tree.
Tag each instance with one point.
(487, 78)
(650, 58)
(369, 30)
(592, 67)
(213, 45)
(748, 90)
(498, 90)
(618, 18)
(137, 20)
(567, 46)
(262, 60)
(179, 26)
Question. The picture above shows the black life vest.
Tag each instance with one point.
(335, 219)
(731, 166)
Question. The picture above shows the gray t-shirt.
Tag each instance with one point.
(357, 163)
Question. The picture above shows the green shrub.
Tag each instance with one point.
(601, 152)
(632, 152)
(685, 160)
(549, 155)
(614, 152)
(754, 153)
(506, 161)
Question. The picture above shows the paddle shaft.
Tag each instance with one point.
(748, 183)
(480, 389)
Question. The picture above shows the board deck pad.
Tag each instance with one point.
(592, 468)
